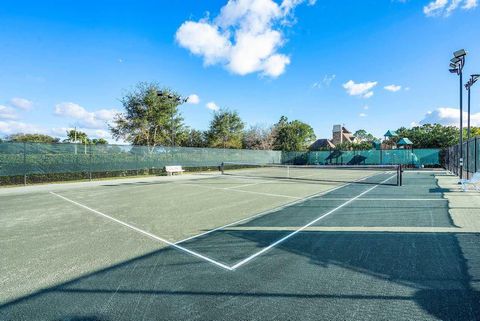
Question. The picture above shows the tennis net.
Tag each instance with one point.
(369, 174)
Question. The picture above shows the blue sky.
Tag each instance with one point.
(372, 64)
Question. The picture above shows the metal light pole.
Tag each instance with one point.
(456, 67)
(468, 86)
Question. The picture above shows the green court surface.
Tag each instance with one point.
(345, 246)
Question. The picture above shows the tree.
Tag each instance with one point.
(32, 138)
(99, 141)
(292, 136)
(150, 119)
(76, 136)
(258, 137)
(354, 146)
(226, 130)
(430, 136)
(364, 136)
(193, 138)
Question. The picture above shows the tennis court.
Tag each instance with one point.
(273, 243)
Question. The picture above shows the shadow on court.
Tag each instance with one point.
(312, 276)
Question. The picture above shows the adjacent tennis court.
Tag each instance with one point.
(256, 243)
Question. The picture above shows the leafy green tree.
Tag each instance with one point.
(354, 146)
(151, 116)
(32, 138)
(474, 132)
(226, 130)
(292, 135)
(258, 137)
(99, 141)
(364, 136)
(430, 136)
(76, 136)
(194, 138)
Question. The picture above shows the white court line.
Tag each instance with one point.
(263, 213)
(242, 262)
(240, 191)
(388, 199)
(272, 181)
(276, 208)
(145, 232)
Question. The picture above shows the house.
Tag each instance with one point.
(322, 143)
(339, 135)
(342, 135)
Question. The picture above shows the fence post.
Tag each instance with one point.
(24, 163)
(90, 163)
(475, 147)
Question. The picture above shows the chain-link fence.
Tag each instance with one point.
(471, 158)
(39, 162)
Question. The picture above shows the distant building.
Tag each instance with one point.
(322, 143)
(339, 135)
(342, 135)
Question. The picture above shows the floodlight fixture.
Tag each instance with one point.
(460, 53)
(474, 78)
(455, 60)
(454, 71)
(454, 66)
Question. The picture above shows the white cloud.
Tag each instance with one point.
(446, 7)
(96, 119)
(193, 99)
(326, 81)
(7, 113)
(212, 106)
(362, 115)
(449, 116)
(10, 127)
(360, 89)
(244, 37)
(368, 94)
(392, 88)
(21, 103)
(365, 107)
(469, 4)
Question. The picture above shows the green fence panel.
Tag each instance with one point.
(37, 158)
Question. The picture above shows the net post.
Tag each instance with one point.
(222, 168)
(400, 175)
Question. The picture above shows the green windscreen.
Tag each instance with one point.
(38, 158)
(413, 157)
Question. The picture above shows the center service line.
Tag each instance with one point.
(233, 267)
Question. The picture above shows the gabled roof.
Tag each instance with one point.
(390, 133)
(322, 143)
(404, 141)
